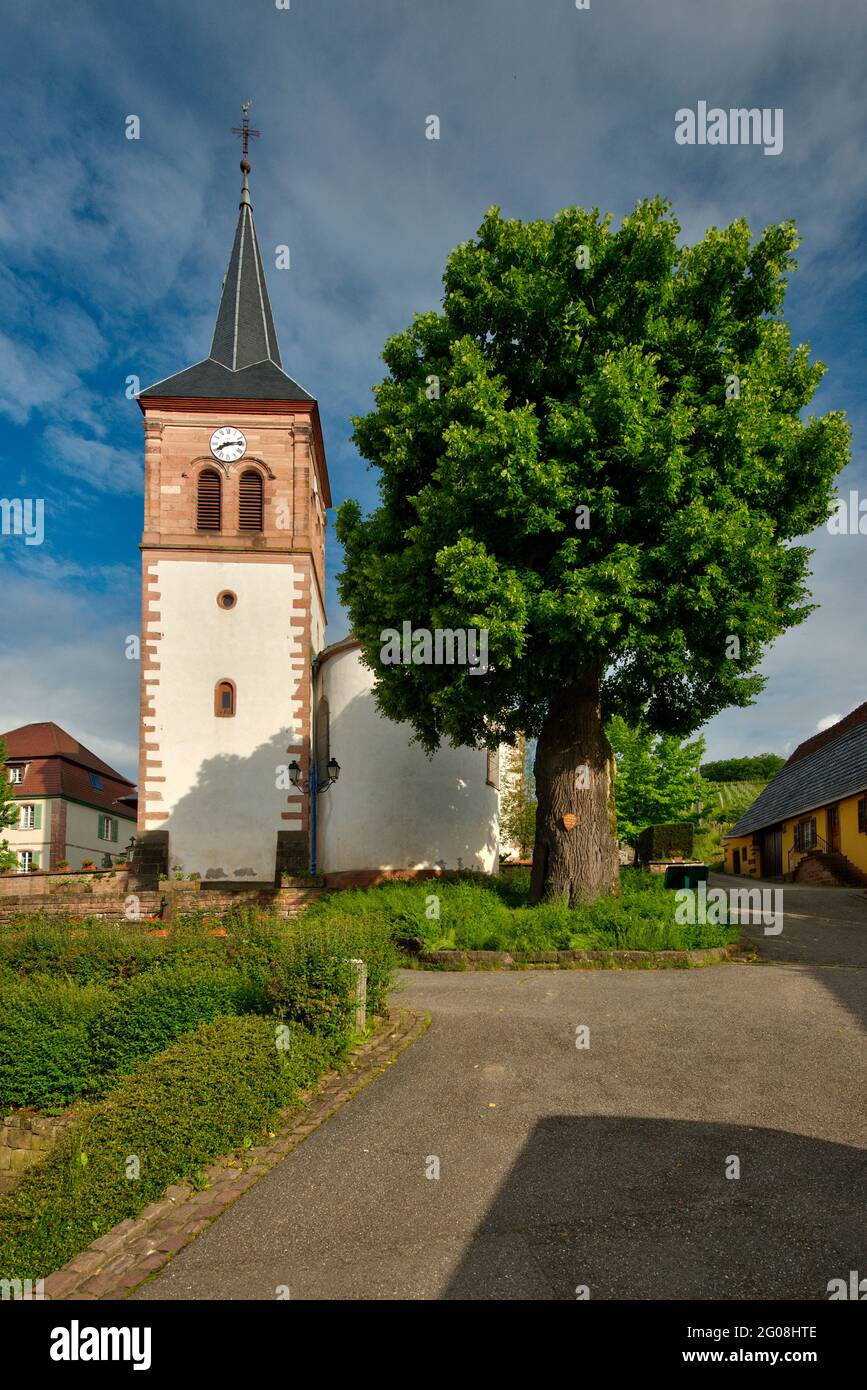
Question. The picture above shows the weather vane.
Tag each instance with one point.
(244, 130)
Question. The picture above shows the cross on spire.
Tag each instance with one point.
(244, 130)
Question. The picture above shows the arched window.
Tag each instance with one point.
(224, 700)
(208, 501)
(250, 501)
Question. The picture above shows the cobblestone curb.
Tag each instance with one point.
(112, 1266)
(575, 960)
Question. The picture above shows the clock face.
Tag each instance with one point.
(228, 444)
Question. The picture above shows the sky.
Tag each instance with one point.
(112, 252)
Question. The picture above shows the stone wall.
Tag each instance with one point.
(25, 1139)
(109, 898)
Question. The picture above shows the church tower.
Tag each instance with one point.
(236, 487)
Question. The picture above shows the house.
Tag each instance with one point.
(71, 805)
(810, 823)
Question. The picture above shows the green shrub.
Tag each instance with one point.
(211, 1092)
(45, 1048)
(152, 1010)
(152, 990)
(662, 841)
(88, 951)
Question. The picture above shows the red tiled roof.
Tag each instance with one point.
(58, 765)
(851, 721)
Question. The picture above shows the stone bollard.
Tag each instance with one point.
(359, 994)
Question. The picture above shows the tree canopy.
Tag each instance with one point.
(657, 780)
(760, 768)
(595, 452)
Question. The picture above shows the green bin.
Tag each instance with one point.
(685, 875)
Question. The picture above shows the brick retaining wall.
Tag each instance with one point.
(107, 896)
(25, 1139)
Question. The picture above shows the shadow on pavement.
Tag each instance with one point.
(641, 1208)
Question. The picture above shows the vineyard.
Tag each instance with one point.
(732, 793)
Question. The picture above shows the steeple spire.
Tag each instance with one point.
(244, 332)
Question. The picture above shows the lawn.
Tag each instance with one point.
(478, 913)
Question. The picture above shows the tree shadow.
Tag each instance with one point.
(225, 827)
(642, 1209)
(396, 808)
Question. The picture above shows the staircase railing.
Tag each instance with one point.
(796, 855)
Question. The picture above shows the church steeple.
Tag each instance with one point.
(244, 362)
(244, 331)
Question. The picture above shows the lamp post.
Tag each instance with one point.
(313, 788)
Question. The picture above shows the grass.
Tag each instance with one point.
(492, 914)
(83, 1001)
(219, 1089)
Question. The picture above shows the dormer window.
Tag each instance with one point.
(16, 774)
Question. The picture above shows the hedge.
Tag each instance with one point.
(219, 1089)
(111, 995)
(662, 841)
(45, 1030)
(59, 1040)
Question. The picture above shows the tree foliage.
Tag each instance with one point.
(657, 780)
(655, 385)
(760, 768)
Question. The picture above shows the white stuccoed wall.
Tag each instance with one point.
(220, 788)
(393, 807)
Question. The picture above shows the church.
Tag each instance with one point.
(261, 749)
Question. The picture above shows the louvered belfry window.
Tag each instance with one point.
(208, 501)
(250, 501)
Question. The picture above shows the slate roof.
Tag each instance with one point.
(825, 768)
(244, 362)
(58, 765)
(263, 381)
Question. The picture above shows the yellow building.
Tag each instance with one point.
(810, 823)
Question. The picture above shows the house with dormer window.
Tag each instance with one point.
(809, 825)
(71, 805)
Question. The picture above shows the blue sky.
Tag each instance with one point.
(113, 251)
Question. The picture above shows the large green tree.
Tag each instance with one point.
(595, 452)
(657, 778)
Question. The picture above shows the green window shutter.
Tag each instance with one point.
(114, 830)
(37, 857)
(101, 827)
(37, 816)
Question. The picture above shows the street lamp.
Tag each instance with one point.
(313, 787)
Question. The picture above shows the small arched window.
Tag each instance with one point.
(208, 501)
(250, 502)
(224, 700)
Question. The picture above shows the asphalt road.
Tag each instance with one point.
(563, 1167)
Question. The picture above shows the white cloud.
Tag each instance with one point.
(67, 662)
(104, 467)
(828, 722)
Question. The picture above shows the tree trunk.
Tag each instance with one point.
(574, 859)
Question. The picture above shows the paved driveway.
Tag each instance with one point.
(821, 926)
(562, 1167)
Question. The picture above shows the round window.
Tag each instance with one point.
(227, 599)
